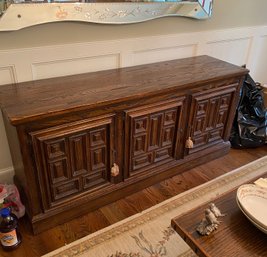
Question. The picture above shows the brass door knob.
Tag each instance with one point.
(115, 170)
(189, 143)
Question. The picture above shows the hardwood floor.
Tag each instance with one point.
(114, 212)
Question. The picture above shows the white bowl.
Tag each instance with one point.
(253, 202)
(250, 219)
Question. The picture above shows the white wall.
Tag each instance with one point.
(28, 55)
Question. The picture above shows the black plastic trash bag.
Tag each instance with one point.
(250, 123)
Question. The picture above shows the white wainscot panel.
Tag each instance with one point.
(260, 64)
(235, 51)
(57, 68)
(164, 54)
(7, 75)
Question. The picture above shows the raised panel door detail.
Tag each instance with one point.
(55, 151)
(58, 170)
(212, 114)
(163, 154)
(142, 161)
(56, 148)
(215, 135)
(65, 189)
(209, 115)
(78, 156)
(74, 158)
(202, 108)
(140, 125)
(98, 158)
(170, 117)
(168, 134)
(152, 135)
(94, 179)
(140, 144)
(98, 137)
(199, 125)
(155, 130)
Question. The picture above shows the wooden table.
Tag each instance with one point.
(235, 236)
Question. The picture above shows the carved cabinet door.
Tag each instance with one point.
(153, 136)
(209, 118)
(74, 158)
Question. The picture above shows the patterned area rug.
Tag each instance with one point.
(148, 234)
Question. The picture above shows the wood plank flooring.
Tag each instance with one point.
(33, 246)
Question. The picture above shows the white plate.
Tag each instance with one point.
(250, 219)
(253, 200)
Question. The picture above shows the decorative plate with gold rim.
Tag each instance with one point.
(252, 201)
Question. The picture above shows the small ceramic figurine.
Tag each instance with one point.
(202, 227)
(210, 222)
(216, 211)
(210, 217)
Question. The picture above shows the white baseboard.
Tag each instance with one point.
(6, 175)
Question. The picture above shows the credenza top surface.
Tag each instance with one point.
(25, 101)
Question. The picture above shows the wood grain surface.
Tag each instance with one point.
(28, 100)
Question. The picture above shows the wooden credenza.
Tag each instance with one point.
(83, 141)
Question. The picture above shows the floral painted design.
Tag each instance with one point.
(146, 247)
(61, 13)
